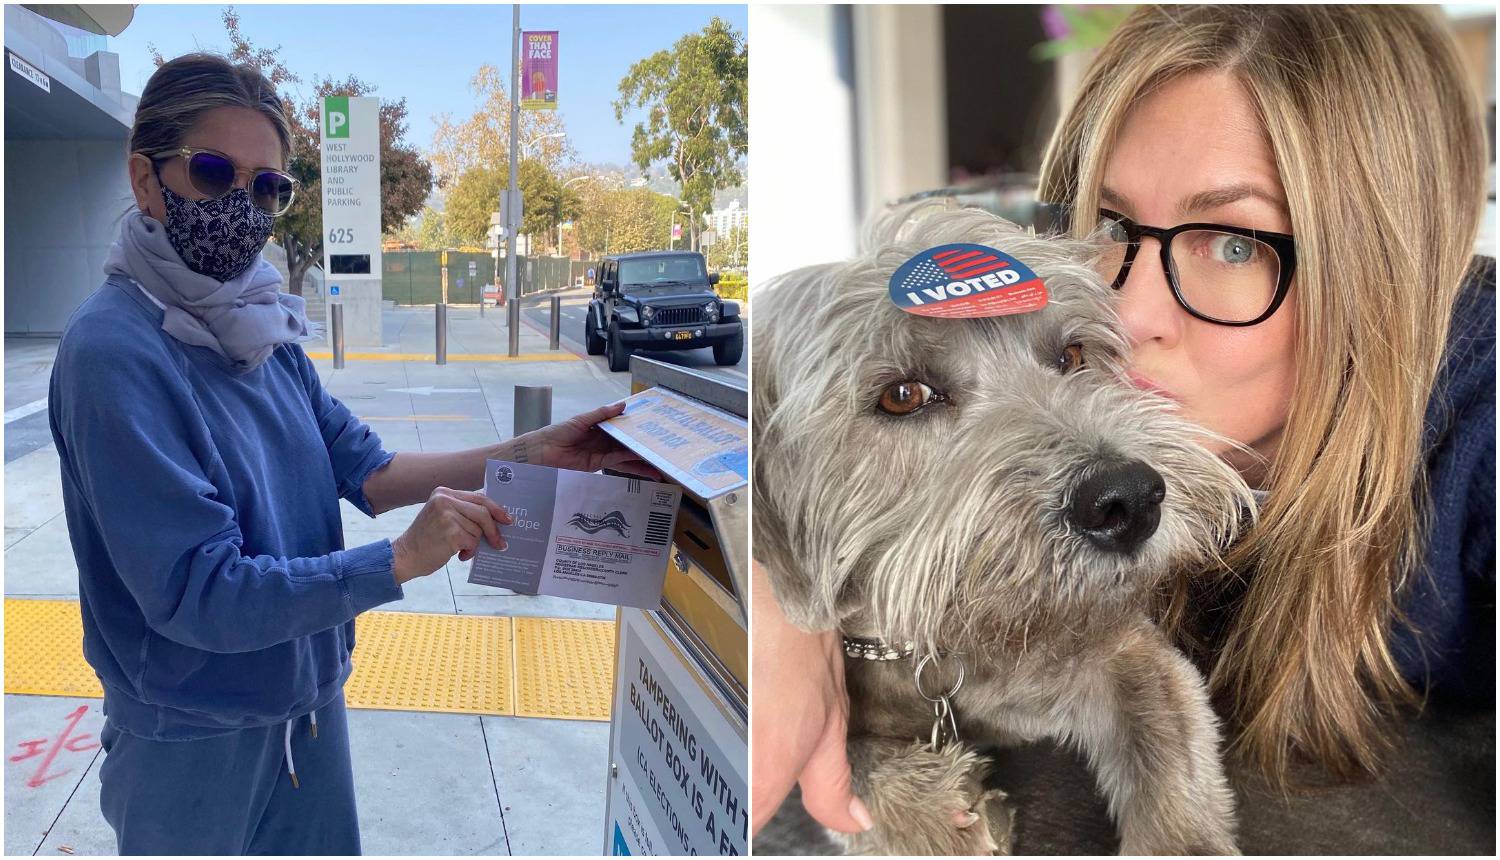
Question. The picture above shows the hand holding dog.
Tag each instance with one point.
(452, 521)
(802, 739)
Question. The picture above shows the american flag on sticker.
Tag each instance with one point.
(966, 280)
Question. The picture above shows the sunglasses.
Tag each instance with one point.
(213, 175)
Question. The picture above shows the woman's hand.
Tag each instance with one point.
(452, 521)
(800, 719)
(579, 444)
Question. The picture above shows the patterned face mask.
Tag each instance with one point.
(216, 238)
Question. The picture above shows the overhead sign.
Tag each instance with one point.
(539, 70)
(350, 134)
(678, 757)
(29, 72)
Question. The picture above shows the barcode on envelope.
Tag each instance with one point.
(633, 485)
(658, 528)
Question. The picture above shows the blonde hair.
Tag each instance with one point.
(1378, 140)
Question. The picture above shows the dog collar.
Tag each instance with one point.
(863, 648)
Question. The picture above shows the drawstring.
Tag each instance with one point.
(291, 766)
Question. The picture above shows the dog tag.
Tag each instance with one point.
(963, 280)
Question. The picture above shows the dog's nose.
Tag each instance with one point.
(1120, 507)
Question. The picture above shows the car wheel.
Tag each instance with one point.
(592, 342)
(616, 350)
(728, 352)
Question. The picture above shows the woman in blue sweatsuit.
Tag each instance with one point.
(202, 467)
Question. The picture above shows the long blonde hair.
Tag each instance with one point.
(1378, 140)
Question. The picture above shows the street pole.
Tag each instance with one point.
(512, 284)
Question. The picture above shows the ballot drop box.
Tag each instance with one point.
(678, 780)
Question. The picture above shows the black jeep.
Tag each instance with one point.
(660, 300)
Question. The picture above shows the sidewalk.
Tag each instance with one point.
(428, 783)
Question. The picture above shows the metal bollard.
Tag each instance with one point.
(337, 321)
(556, 340)
(513, 322)
(442, 333)
(533, 408)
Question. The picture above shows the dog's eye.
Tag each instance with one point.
(904, 398)
(1071, 358)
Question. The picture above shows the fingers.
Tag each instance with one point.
(603, 413)
(586, 420)
(482, 517)
(827, 785)
(623, 460)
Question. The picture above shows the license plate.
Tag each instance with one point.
(682, 335)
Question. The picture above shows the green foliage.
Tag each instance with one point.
(695, 99)
(476, 194)
(622, 220)
(432, 230)
(467, 209)
(1089, 27)
(729, 250)
(734, 287)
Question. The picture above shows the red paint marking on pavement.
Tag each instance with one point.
(35, 748)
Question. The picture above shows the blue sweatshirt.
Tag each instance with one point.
(1452, 600)
(203, 508)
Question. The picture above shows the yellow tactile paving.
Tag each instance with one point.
(411, 661)
(564, 668)
(44, 650)
(405, 661)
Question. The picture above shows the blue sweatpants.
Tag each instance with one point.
(232, 794)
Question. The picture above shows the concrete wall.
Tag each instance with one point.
(63, 205)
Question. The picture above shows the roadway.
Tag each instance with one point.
(535, 311)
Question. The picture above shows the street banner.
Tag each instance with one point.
(539, 70)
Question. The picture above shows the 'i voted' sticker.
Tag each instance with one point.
(964, 280)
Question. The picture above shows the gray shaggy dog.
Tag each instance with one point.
(991, 495)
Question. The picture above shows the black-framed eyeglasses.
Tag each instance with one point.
(213, 174)
(1230, 275)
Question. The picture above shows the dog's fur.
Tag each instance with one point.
(947, 528)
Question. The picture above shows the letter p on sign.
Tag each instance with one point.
(336, 116)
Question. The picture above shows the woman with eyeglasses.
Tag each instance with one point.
(1294, 195)
(203, 463)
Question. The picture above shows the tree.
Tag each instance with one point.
(476, 194)
(549, 201)
(730, 249)
(405, 177)
(432, 230)
(467, 209)
(619, 221)
(483, 140)
(695, 98)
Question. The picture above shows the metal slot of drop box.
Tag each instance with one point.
(678, 778)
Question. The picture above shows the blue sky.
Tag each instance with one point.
(428, 53)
